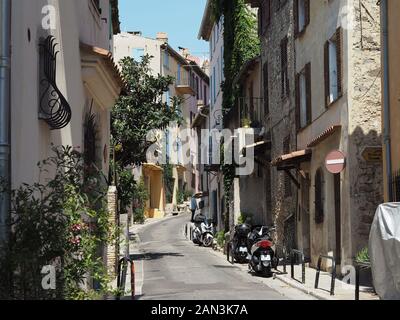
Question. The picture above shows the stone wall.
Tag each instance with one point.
(281, 119)
(366, 182)
(112, 248)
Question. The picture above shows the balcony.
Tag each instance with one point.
(185, 84)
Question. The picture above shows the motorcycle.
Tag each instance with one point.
(262, 251)
(203, 231)
(239, 250)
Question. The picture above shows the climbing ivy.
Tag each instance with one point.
(241, 43)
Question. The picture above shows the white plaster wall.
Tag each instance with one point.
(124, 43)
(31, 137)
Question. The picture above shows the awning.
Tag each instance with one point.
(152, 167)
(292, 159)
(258, 146)
(326, 134)
(201, 117)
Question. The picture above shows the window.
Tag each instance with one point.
(303, 98)
(319, 196)
(197, 89)
(301, 15)
(168, 98)
(214, 86)
(211, 91)
(222, 64)
(266, 90)
(287, 181)
(284, 68)
(264, 16)
(138, 54)
(218, 73)
(205, 95)
(166, 60)
(333, 68)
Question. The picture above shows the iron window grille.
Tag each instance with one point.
(54, 108)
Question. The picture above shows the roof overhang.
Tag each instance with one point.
(325, 135)
(152, 167)
(246, 70)
(206, 23)
(292, 160)
(100, 75)
(201, 116)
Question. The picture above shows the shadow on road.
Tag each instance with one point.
(155, 255)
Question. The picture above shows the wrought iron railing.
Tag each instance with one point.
(184, 79)
(251, 110)
(54, 108)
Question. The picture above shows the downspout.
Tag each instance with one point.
(386, 96)
(5, 108)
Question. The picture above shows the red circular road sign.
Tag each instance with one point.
(335, 162)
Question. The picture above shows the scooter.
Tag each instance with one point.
(238, 249)
(262, 257)
(203, 231)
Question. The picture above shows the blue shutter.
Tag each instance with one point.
(214, 86)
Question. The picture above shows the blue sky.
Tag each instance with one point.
(181, 19)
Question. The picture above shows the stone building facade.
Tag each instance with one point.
(326, 54)
(276, 31)
(341, 111)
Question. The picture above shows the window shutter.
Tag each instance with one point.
(339, 60)
(296, 17)
(298, 102)
(326, 71)
(308, 93)
(307, 12)
(266, 90)
(319, 205)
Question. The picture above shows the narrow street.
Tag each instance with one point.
(176, 269)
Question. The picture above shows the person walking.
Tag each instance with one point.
(193, 207)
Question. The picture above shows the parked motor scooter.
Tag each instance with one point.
(262, 257)
(203, 232)
(239, 249)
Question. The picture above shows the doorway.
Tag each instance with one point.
(305, 217)
(338, 219)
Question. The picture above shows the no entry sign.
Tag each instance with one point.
(335, 162)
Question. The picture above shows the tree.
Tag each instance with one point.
(135, 114)
(140, 111)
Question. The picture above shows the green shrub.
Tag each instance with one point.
(243, 217)
(363, 256)
(220, 236)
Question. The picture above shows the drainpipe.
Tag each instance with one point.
(386, 95)
(5, 65)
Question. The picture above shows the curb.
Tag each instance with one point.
(303, 289)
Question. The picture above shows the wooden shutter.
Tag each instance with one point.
(319, 203)
(298, 112)
(266, 89)
(307, 12)
(296, 17)
(308, 93)
(339, 61)
(326, 73)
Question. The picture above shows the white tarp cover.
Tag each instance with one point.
(384, 250)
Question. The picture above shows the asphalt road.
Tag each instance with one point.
(172, 268)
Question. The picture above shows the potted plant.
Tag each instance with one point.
(246, 123)
(362, 259)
